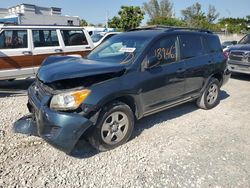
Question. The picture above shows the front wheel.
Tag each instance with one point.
(114, 127)
(210, 97)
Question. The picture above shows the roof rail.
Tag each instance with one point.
(55, 25)
(8, 23)
(151, 27)
(189, 29)
(170, 28)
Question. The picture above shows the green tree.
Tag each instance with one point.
(129, 17)
(156, 9)
(83, 22)
(166, 21)
(193, 15)
(233, 25)
(114, 22)
(212, 14)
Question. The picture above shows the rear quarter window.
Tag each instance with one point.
(211, 44)
(191, 46)
(74, 37)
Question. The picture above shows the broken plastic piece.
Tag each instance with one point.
(25, 125)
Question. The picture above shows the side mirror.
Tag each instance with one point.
(152, 62)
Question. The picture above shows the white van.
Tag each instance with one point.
(23, 48)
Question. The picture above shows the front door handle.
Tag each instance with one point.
(181, 70)
(58, 50)
(27, 53)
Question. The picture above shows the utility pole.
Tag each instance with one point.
(107, 20)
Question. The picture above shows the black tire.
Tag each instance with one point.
(99, 137)
(207, 100)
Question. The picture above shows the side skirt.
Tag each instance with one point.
(170, 105)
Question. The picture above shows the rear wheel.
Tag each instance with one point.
(210, 97)
(114, 127)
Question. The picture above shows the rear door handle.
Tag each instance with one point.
(27, 53)
(58, 50)
(210, 62)
(88, 47)
(181, 70)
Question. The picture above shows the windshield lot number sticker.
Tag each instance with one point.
(125, 49)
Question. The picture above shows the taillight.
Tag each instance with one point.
(226, 54)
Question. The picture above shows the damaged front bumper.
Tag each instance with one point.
(60, 129)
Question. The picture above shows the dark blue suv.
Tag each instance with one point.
(128, 77)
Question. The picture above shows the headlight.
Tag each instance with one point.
(69, 100)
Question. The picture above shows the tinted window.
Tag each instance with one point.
(44, 38)
(165, 50)
(74, 37)
(211, 44)
(191, 46)
(13, 39)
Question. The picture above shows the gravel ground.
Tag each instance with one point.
(180, 147)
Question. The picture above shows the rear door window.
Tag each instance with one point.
(211, 44)
(10, 39)
(74, 37)
(45, 38)
(191, 46)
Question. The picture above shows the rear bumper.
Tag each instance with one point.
(60, 129)
(239, 67)
(226, 76)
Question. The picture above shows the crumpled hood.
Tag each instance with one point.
(244, 47)
(75, 68)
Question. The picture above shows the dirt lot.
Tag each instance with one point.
(180, 147)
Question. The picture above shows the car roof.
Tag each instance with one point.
(143, 33)
(151, 33)
(10, 26)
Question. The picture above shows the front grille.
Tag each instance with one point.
(236, 58)
(41, 90)
(240, 56)
(237, 53)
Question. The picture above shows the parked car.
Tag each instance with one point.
(239, 56)
(101, 37)
(132, 75)
(248, 24)
(227, 44)
(23, 48)
(94, 30)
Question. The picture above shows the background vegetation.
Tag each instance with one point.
(160, 12)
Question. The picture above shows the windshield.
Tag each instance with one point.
(96, 37)
(119, 49)
(245, 40)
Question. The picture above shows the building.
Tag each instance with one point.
(24, 14)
